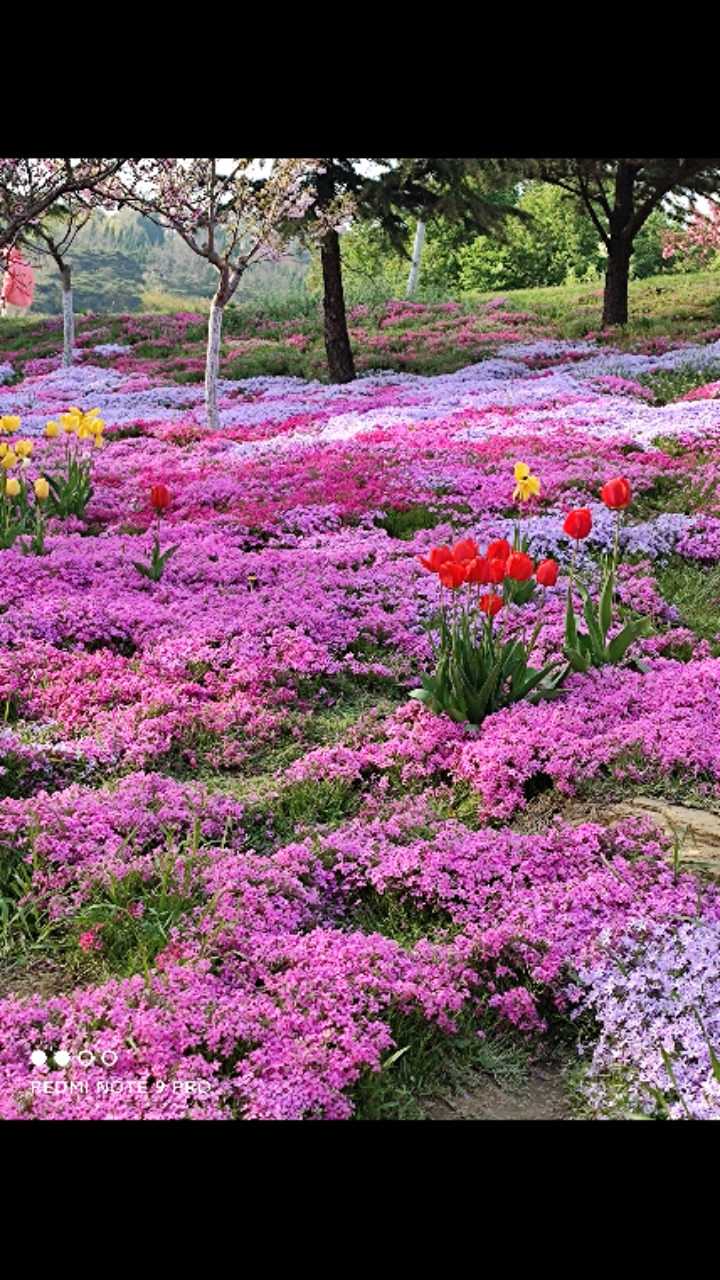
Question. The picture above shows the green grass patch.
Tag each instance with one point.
(405, 522)
(428, 1062)
(695, 592)
(670, 384)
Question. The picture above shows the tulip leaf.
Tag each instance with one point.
(577, 660)
(606, 603)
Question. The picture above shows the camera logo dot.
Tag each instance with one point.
(85, 1058)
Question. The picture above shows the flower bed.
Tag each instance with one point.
(242, 844)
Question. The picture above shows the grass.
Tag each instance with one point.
(428, 1062)
(695, 591)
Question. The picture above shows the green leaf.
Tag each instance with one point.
(577, 660)
(570, 623)
(620, 643)
(606, 603)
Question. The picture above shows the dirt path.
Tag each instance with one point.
(543, 1097)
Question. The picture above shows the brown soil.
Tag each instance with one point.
(543, 1097)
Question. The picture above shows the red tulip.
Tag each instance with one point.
(437, 556)
(519, 567)
(159, 498)
(547, 573)
(497, 569)
(616, 494)
(451, 574)
(465, 550)
(477, 570)
(578, 523)
(491, 604)
(499, 550)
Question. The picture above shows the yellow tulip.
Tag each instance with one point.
(9, 422)
(70, 422)
(52, 430)
(3, 448)
(527, 486)
(97, 426)
(24, 448)
(85, 432)
(12, 487)
(42, 489)
(9, 459)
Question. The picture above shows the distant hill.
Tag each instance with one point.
(124, 263)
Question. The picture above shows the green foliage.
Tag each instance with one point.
(428, 1061)
(155, 569)
(694, 589)
(405, 522)
(669, 384)
(476, 673)
(71, 492)
(593, 649)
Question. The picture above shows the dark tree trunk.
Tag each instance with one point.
(620, 247)
(617, 275)
(337, 339)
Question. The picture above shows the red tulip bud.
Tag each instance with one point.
(578, 523)
(519, 567)
(497, 569)
(499, 550)
(465, 550)
(616, 494)
(451, 574)
(491, 604)
(547, 573)
(159, 497)
(477, 570)
(437, 556)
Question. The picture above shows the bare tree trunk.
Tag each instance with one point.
(337, 339)
(212, 362)
(416, 256)
(229, 281)
(620, 247)
(68, 318)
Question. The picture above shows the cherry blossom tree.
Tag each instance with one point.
(53, 235)
(231, 213)
(699, 241)
(30, 187)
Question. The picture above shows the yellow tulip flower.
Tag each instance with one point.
(52, 430)
(8, 460)
(9, 422)
(24, 448)
(12, 487)
(42, 489)
(527, 486)
(70, 422)
(97, 426)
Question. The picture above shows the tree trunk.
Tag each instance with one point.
(620, 247)
(212, 361)
(68, 318)
(617, 275)
(416, 256)
(337, 339)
